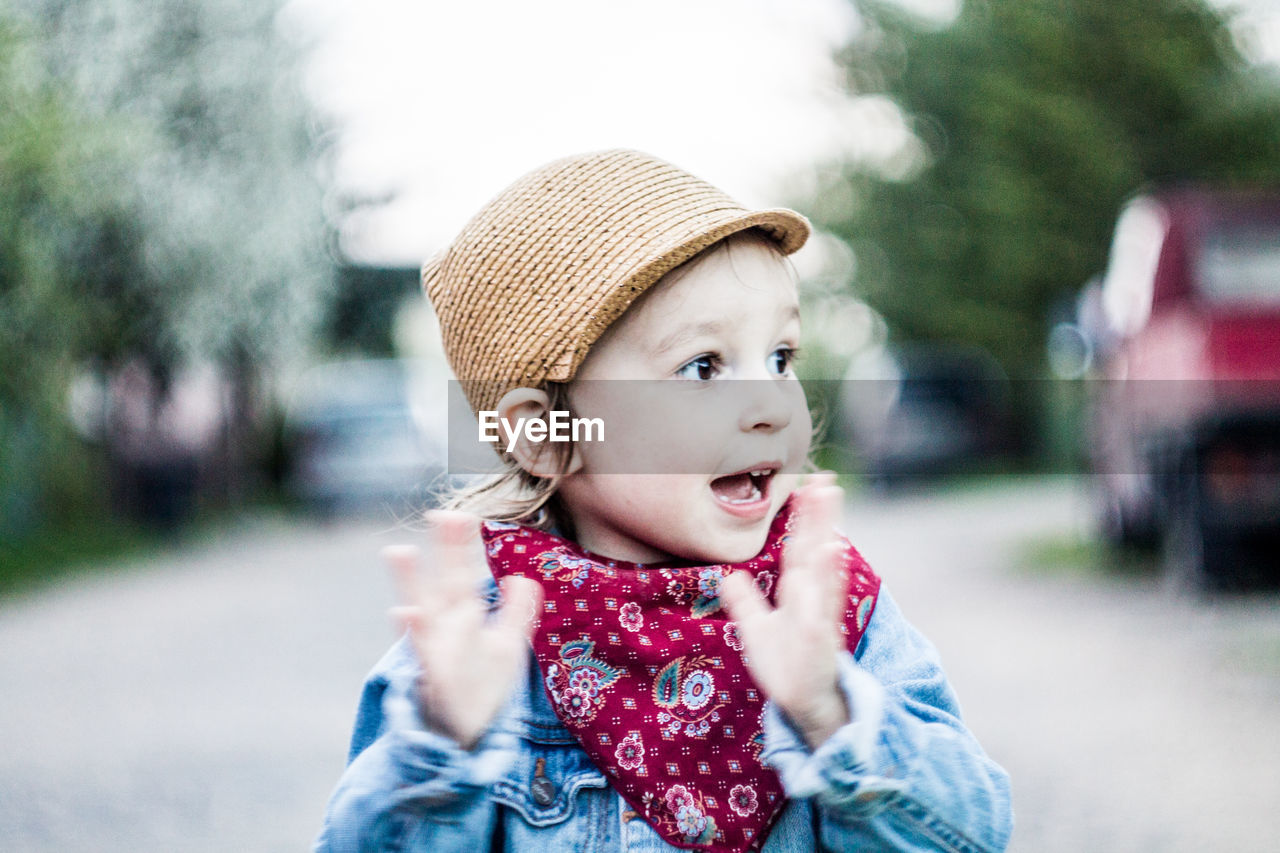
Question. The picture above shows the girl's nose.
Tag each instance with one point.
(766, 405)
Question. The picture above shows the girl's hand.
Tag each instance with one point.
(468, 664)
(792, 649)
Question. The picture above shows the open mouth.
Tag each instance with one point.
(745, 487)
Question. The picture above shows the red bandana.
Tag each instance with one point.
(646, 670)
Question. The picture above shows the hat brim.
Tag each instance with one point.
(785, 227)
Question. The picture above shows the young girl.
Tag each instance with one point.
(712, 666)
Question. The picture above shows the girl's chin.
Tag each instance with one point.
(738, 550)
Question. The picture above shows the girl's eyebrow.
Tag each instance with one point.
(710, 328)
(688, 332)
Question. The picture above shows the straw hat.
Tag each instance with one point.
(543, 269)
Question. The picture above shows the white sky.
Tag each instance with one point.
(439, 105)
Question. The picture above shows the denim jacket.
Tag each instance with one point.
(904, 775)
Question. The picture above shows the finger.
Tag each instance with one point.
(831, 578)
(805, 582)
(403, 560)
(521, 601)
(412, 621)
(406, 618)
(838, 567)
(742, 599)
(817, 510)
(822, 510)
(811, 593)
(820, 479)
(454, 536)
(811, 481)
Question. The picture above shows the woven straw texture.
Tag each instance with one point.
(545, 267)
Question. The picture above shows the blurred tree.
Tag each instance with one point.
(1031, 121)
(361, 317)
(220, 249)
(47, 153)
(193, 229)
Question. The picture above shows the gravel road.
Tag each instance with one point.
(1128, 719)
(200, 701)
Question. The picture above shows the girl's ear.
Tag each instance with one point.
(540, 458)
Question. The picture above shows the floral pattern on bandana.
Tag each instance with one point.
(665, 706)
(576, 682)
(680, 816)
(629, 616)
(697, 589)
(743, 800)
(685, 692)
(731, 638)
(630, 752)
(559, 565)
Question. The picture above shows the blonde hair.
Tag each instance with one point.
(513, 494)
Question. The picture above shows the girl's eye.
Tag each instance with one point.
(781, 360)
(703, 368)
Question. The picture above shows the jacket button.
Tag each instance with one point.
(542, 788)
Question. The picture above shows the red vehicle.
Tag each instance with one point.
(1186, 416)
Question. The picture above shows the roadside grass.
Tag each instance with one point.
(978, 477)
(992, 478)
(46, 554)
(1079, 554)
(99, 542)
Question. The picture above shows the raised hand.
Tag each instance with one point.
(792, 649)
(469, 663)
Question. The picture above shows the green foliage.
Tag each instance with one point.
(31, 195)
(45, 554)
(1037, 118)
(158, 202)
(213, 246)
(47, 154)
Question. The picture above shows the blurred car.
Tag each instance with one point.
(924, 411)
(1185, 427)
(356, 442)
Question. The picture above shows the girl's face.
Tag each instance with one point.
(705, 426)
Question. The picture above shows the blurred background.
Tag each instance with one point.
(1042, 328)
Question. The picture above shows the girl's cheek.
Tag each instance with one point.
(802, 435)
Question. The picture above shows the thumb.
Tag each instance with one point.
(521, 603)
(741, 598)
